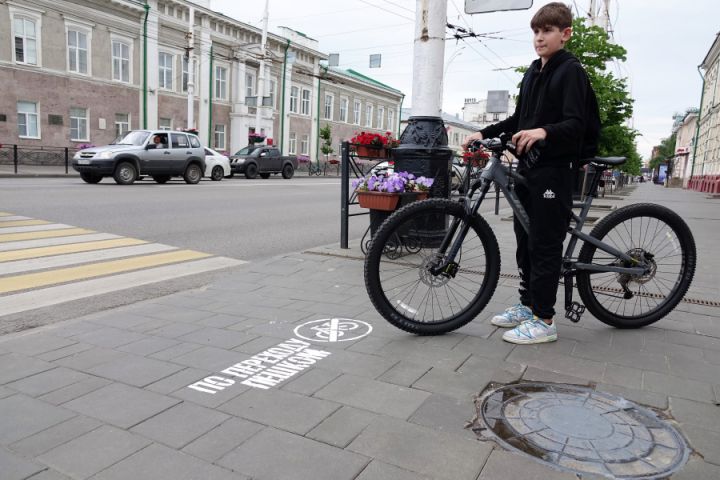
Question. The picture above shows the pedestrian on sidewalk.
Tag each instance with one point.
(557, 105)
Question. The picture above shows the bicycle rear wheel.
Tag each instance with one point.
(648, 233)
(402, 253)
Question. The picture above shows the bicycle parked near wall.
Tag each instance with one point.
(434, 265)
(314, 169)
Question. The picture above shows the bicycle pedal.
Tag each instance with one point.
(574, 311)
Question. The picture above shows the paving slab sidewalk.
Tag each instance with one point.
(107, 396)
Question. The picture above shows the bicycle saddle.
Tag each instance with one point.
(609, 161)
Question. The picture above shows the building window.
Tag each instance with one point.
(273, 93)
(496, 117)
(292, 145)
(78, 124)
(165, 123)
(368, 115)
(26, 41)
(294, 91)
(28, 120)
(249, 84)
(165, 65)
(329, 100)
(305, 145)
(219, 139)
(356, 112)
(391, 120)
(221, 83)
(120, 61)
(343, 109)
(305, 103)
(122, 124)
(77, 47)
(381, 118)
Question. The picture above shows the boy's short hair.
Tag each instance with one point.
(553, 14)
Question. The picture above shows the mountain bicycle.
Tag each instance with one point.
(315, 169)
(433, 265)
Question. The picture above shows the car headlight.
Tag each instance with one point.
(239, 160)
(76, 156)
(105, 155)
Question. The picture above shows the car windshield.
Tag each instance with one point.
(245, 150)
(136, 138)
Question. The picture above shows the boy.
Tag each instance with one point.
(552, 106)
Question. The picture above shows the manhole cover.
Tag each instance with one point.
(582, 430)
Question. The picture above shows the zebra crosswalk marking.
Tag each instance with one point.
(49, 251)
(13, 237)
(53, 277)
(49, 242)
(20, 223)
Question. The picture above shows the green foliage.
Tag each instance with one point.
(665, 152)
(326, 136)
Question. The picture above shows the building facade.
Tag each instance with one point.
(484, 112)
(457, 129)
(85, 71)
(705, 173)
(685, 129)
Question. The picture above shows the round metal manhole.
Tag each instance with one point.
(581, 430)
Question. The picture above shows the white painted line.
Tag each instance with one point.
(333, 330)
(46, 297)
(51, 242)
(35, 228)
(14, 218)
(7, 268)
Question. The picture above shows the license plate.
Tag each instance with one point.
(83, 161)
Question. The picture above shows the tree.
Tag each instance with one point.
(326, 135)
(665, 152)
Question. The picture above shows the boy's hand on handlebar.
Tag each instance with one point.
(475, 136)
(525, 139)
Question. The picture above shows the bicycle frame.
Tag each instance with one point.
(496, 172)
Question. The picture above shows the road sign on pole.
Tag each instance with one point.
(486, 6)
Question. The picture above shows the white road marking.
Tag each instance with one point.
(50, 242)
(35, 228)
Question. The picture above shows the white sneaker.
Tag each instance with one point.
(512, 317)
(532, 331)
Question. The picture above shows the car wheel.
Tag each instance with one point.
(91, 177)
(265, 175)
(251, 171)
(125, 173)
(193, 174)
(217, 173)
(288, 172)
(161, 178)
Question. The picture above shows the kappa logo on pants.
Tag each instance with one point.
(549, 194)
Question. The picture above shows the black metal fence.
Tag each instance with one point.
(21, 159)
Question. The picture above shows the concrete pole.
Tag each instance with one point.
(261, 71)
(191, 72)
(428, 57)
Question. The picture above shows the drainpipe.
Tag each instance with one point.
(317, 119)
(145, 89)
(282, 107)
(697, 129)
(210, 100)
(399, 122)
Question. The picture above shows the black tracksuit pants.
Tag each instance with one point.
(547, 198)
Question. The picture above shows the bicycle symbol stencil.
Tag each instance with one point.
(330, 330)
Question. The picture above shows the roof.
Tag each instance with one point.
(405, 113)
(365, 79)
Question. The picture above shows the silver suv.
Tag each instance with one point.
(161, 154)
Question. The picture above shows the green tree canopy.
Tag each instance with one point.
(665, 152)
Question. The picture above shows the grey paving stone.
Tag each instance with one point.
(120, 319)
(711, 356)
(341, 428)
(404, 373)
(65, 394)
(210, 358)
(378, 397)
(694, 340)
(378, 470)
(14, 366)
(174, 314)
(696, 469)
(258, 344)
(445, 414)
(705, 442)
(370, 344)
(278, 408)
(176, 351)
(223, 438)
(620, 356)
(23, 416)
(297, 458)
(533, 374)
(411, 350)
(54, 436)
(90, 358)
(624, 377)
(564, 364)
(14, 467)
(423, 450)
(49, 474)
(135, 370)
(508, 465)
(150, 325)
(218, 320)
(6, 392)
(695, 413)
(35, 344)
(209, 400)
(310, 381)
(173, 329)
(179, 425)
(148, 345)
(161, 463)
(674, 350)
(694, 369)
(64, 352)
(108, 337)
(461, 385)
(70, 329)
(177, 380)
(88, 454)
(483, 347)
(121, 405)
(678, 387)
(354, 363)
(641, 397)
(217, 337)
(47, 381)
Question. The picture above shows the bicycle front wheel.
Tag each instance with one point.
(652, 235)
(403, 253)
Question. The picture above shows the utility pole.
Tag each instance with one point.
(260, 94)
(191, 70)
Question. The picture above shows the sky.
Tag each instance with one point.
(666, 40)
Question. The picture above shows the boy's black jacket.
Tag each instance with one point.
(559, 99)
